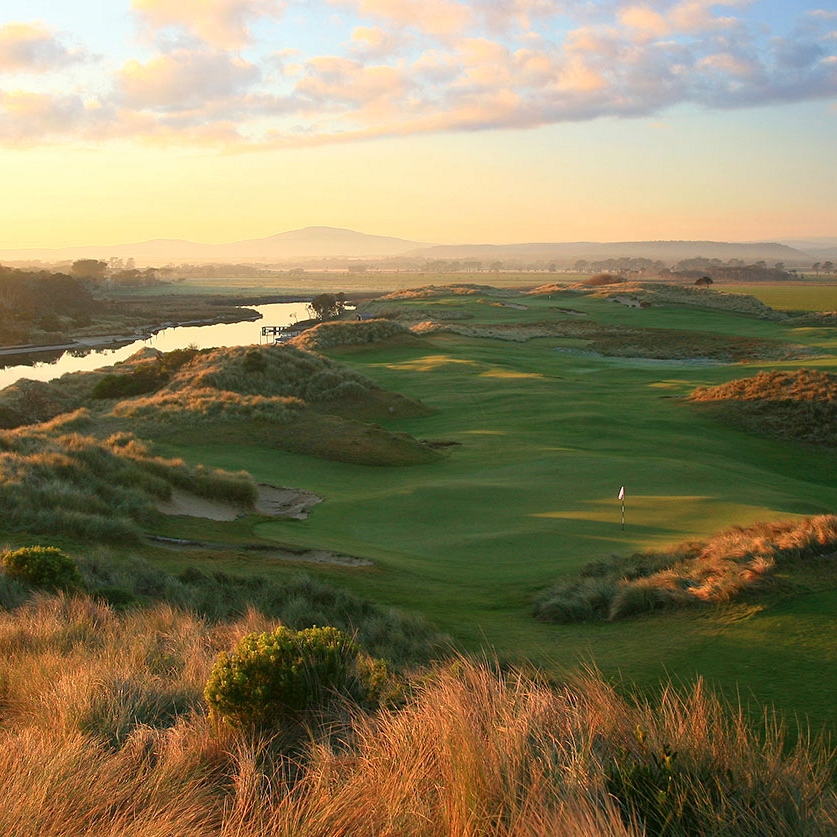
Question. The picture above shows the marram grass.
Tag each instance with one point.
(106, 733)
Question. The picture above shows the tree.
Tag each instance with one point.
(327, 306)
(89, 269)
(828, 267)
(703, 281)
(816, 268)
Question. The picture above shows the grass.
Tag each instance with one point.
(795, 404)
(56, 480)
(733, 564)
(106, 732)
(544, 436)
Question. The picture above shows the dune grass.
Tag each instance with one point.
(733, 564)
(106, 732)
(54, 479)
(791, 404)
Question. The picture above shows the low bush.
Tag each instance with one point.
(43, 566)
(274, 677)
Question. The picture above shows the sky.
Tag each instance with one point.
(444, 121)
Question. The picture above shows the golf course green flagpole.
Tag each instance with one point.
(622, 498)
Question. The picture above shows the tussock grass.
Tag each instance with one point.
(603, 279)
(202, 406)
(298, 602)
(734, 563)
(106, 733)
(661, 293)
(284, 371)
(800, 404)
(612, 340)
(457, 289)
(350, 333)
(56, 480)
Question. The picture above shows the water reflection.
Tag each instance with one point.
(46, 366)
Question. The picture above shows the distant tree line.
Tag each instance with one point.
(33, 301)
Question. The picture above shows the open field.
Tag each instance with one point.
(542, 433)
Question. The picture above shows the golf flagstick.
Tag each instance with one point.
(622, 498)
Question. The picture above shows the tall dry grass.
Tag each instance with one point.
(104, 732)
(799, 404)
(350, 333)
(734, 563)
(55, 479)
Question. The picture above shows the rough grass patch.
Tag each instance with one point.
(734, 563)
(799, 404)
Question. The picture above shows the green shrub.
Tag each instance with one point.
(43, 566)
(275, 677)
(144, 378)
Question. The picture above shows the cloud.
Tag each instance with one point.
(411, 66)
(376, 42)
(222, 23)
(32, 47)
(340, 83)
(184, 79)
(433, 17)
(30, 118)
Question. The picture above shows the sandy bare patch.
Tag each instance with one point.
(272, 502)
(183, 503)
(285, 502)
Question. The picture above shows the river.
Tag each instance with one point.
(165, 340)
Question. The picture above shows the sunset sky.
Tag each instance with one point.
(433, 120)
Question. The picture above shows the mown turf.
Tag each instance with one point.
(545, 435)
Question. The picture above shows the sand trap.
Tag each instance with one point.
(272, 502)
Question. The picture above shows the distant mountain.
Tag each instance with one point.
(665, 251)
(826, 254)
(307, 243)
(313, 243)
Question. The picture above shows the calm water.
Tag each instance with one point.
(204, 337)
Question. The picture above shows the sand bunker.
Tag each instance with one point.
(272, 501)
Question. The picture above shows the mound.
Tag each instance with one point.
(792, 405)
(643, 294)
(350, 333)
(54, 480)
(465, 289)
(724, 569)
(284, 397)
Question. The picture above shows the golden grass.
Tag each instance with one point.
(55, 479)
(732, 564)
(350, 333)
(105, 733)
(800, 404)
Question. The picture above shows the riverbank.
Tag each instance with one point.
(117, 340)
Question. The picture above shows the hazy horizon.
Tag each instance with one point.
(440, 122)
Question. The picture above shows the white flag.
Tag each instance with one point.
(622, 493)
